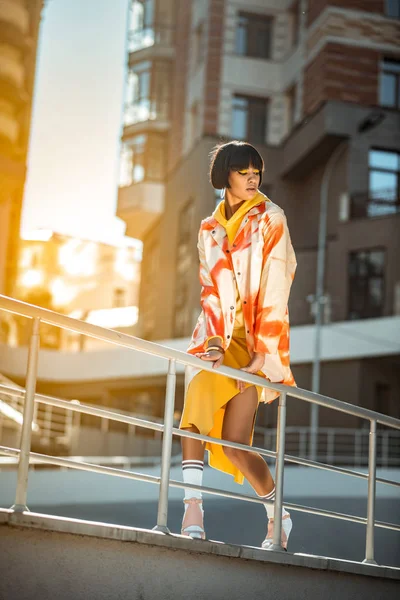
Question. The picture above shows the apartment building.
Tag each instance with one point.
(301, 80)
(19, 31)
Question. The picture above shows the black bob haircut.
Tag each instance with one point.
(233, 156)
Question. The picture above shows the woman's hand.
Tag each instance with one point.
(256, 364)
(212, 356)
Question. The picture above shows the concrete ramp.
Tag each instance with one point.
(43, 557)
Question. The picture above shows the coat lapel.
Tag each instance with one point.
(218, 233)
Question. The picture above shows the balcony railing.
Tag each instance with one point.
(365, 204)
(150, 36)
(337, 445)
(145, 110)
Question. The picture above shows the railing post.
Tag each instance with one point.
(26, 431)
(280, 456)
(369, 554)
(162, 515)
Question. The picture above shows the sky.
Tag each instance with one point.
(73, 157)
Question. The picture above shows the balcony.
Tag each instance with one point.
(146, 115)
(151, 42)
(140, 205)
(379, 204)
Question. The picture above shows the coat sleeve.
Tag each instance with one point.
(279, 266)
(209, 297)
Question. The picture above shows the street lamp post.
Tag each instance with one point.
(372, 120)
(319, 297)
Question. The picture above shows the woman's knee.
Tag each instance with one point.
(233, 454)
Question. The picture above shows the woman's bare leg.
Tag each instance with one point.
(192, 449)
(237, 427)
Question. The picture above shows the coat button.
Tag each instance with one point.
(232, 307)
(227, 251)
(228, 336)
(238, 273)
(245, 302)
(213, 231)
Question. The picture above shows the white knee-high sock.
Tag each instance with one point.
(271, 507)
(192, 471)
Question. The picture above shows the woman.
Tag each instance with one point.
(247, 266)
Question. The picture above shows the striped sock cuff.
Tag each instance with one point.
(270, 496)
(193, 464)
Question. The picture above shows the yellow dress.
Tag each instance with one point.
(208, 393)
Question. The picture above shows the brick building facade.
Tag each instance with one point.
(297, 79)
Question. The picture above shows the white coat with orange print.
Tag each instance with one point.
(262, 262)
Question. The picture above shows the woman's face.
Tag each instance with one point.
(244, 184)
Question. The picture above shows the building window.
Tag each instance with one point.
(366, 284)
(389, 92)
(392, 8)
(184, 269)
(138, 107)
(141, 19)
(253, 35)
(383, 196)
(384, 183)
(249, 119)
(132, 169)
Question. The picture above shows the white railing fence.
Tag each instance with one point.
(39, 315)
(337, 445)
(60, 428)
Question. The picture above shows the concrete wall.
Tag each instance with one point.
(50, 558)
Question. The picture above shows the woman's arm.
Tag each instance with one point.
(210, 301)
(279, 266)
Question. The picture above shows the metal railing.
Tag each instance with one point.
(336, 445)
(146, 109)
(150, 36)
(39, 315)
(55, 426)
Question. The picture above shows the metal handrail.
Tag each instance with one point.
(103, 413)
(173, 356)
(129, 341)
(104, 470)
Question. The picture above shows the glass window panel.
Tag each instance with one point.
(392, 8)
(136, 16)
(376, 291)
(148, 12)
(125, 177)
(241, 36)
(239, 118)
(383, 185)
(138, 171)
(387, 93)
(377, 262)
(384, 160)
(392, 66)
